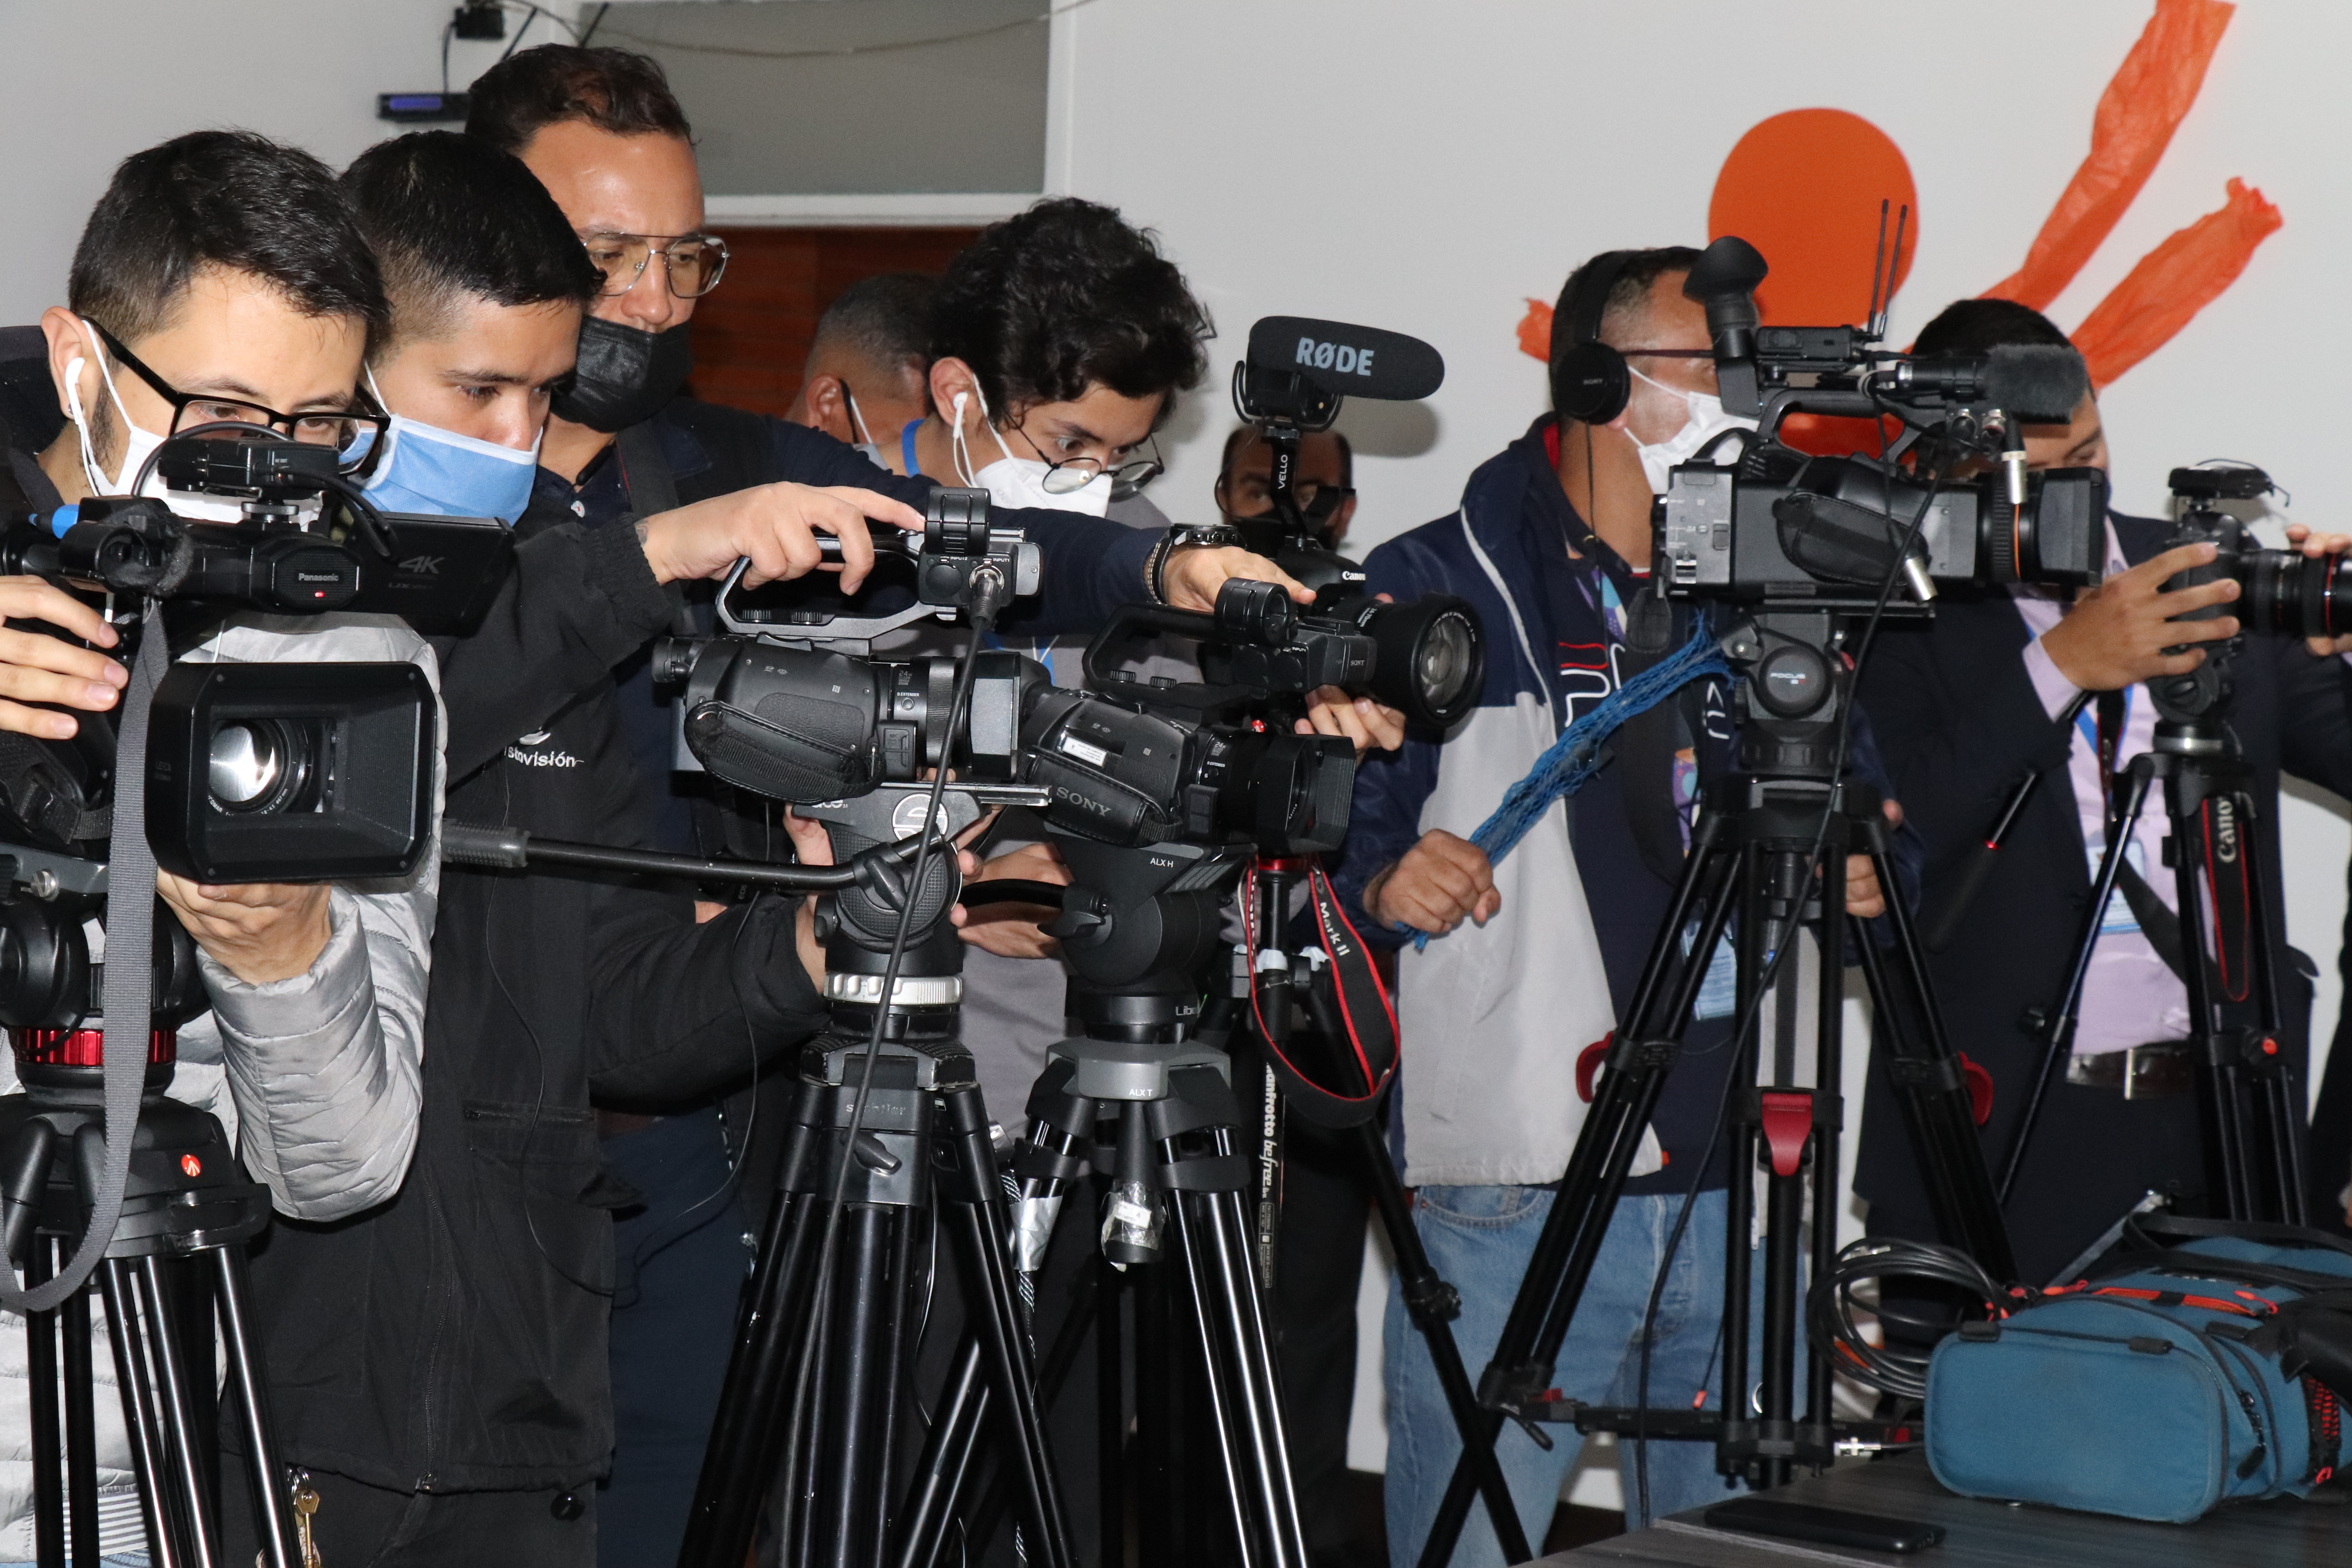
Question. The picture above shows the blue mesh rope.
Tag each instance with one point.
(1575, 757)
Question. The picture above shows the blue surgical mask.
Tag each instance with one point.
(438, 472)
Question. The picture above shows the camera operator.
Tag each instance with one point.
(1324, 479)
(1966, 707)
(601, 131)
(875, 335)
(219, 277)
(1552, 545)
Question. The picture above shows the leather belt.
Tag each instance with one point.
(2157, 1071)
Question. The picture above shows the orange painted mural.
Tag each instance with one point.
(1805, 188)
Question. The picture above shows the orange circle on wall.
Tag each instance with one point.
(1804, 187)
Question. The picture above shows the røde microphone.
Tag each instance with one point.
(1354, 362)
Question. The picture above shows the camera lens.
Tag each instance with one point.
(257, 765)
(1431, 663)
(2291, 594)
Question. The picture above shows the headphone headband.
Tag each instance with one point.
(1590, 381)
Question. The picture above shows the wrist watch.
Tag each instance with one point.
(1184, 536)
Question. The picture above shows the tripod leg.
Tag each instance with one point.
(136, 1383)
(1188, 1218)
(2281, 1118)
(1936, 1101)
(946, 1461)
(1260, 1400)
(855, 1467)
(1570, 1240)
(2225, 1100)
(251, 1394)
(755, 1410)
(1829, 1119)
(177, 1402)
(980, 1224)
(81, 1430)
(41, 1374)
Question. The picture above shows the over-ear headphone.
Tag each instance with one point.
(1590, 381)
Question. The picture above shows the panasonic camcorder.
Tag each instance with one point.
(1767, 524)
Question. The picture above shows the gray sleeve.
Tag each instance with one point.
(326, 1069)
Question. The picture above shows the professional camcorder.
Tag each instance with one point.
(254, 772)
(789, 707)
(1768, 523)
(1426, 659)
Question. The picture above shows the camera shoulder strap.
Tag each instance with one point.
(1364, 1031)
(128, 986)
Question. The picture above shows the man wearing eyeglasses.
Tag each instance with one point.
(1323, 481)
(250, 300)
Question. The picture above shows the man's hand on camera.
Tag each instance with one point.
(38, 667)
(1438, 882)
(1193, 573)
(1331, 712)
(1011, 930)
(1864, 899)
(775, 525)
(2316, 545)
(258, 931)
(2116, 634)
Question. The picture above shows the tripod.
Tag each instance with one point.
(1753, 852)
(815, 1388)
(186, 1217)
(2253, 1103)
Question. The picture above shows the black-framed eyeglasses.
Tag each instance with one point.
(1076, 473)
(1317, 502)
(693, 262)
(336, 427)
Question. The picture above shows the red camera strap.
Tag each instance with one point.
(1365, 1010)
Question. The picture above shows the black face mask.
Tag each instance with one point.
(625, 375)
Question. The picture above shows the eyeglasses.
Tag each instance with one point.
(695, 262)
(1077, 473)
(335, 427)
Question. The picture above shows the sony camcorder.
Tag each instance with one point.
(1769, 524)
(289, 772)
(789, 706)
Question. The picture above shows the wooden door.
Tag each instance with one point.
(752, 333)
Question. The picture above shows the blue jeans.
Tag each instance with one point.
(1479, 1240)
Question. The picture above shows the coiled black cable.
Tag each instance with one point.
(1829, 1307)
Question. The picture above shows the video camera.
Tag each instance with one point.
(1775, 526)
(254, 772)
(1426, 659)
(789, 707)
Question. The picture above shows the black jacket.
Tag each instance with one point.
(455, 1338)
(1957, 723)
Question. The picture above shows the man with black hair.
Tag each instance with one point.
(1531, 961)
(219, 277)
(1323, 479)
(601, 131)
(1969, 706)
(875, 335)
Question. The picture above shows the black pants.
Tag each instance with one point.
(361, 1526)
(680, 1264)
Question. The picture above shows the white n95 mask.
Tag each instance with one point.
(1020, 481)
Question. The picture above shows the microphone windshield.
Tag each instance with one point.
(2038, 383)
(1355, 362)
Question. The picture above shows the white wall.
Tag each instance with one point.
(89, 81)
